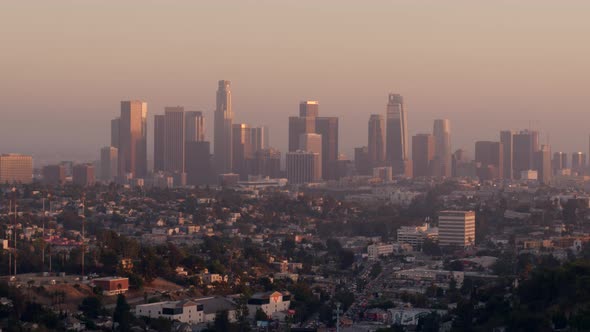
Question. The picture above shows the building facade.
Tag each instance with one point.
(108, 163)
(266, 162)
(396, 145)
(54, 174)
(198, 165)
(442, 147)
(242, 149)
(303, 167)
(423, 149)
(16, 168)
(83, 175)
(174, 138)
(224, 118)
(271, 303)
(456, 228)
(489, 157)
(507, 140)
(133, 140)
(376, 142)
(525, 144)
(194, 126)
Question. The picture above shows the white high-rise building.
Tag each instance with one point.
(456, 228)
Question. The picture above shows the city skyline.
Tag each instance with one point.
(309, 112)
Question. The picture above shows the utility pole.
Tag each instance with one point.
(336, 316)
(83, 208)
(49, 198)
(8, 236)
(14, 228)
(43, 239)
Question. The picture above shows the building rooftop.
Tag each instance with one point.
(215, 304)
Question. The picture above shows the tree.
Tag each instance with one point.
(122, 314)
(260, 315)
(148, 265)
(91, 306)
(242, 313)
(345, 297)
(431, 248)
(376, 270)
(221, 323)
(346, 259)
(455, 265)
(429, 323)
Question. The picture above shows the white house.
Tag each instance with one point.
(271, 303)
(196, 311)
(184, 311)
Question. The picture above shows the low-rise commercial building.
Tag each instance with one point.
(415, 235)
(112, 285)
(377, 250)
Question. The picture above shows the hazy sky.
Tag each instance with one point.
(485, 65)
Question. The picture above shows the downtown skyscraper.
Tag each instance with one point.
(489, 158)
(242, 149)
(115, 125)
(442, 147)
(305, 123)
(309, 122)
(542, 164)
(376, 146)
(507, 140)
(159, 142)
(327, 127)
(194, 126)
(397, 135)
(174, 138)
(132, 151)
(423, 149)
(525, 144)
(223, 122)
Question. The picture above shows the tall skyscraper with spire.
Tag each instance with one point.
(223, 129)
(442, 147)
(132, 157)
(376, 147)
(397, 135)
